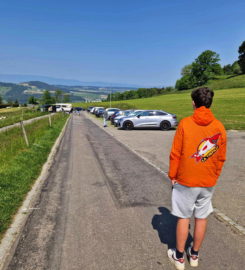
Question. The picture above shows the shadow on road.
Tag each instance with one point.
(165, 225)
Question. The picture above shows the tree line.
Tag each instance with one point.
(140, 93)
(58, 97)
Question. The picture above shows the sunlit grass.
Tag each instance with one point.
(14, 115)
(20, 165)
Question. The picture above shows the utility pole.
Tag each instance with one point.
(110, 99)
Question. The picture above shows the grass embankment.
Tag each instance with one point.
(12, 116)
(20, 165)
(227, 82)
(228, 105)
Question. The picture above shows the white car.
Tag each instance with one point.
(95, 109)
(63, 107)
(109, 112)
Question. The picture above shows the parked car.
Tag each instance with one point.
(115, 114)
(92, 109)
(100, 112)
(89, 108)
(119, 116)
(96, 110)
(47, 108)
(109, 112)
(77, 110)
(63, 107)
(149, 118)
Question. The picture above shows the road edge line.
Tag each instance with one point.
(217, 213)
(11, 237)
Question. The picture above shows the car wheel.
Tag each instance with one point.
(128, 125)
(165, 125)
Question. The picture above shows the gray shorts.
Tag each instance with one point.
(187, 201)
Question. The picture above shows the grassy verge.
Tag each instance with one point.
(20, 165)
(9, 117)
(228, 105)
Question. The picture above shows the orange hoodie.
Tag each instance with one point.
(199, 150)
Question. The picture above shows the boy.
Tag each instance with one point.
(196, 159)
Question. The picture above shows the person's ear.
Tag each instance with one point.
(194, 105)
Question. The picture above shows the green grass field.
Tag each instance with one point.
(14, 115)
(228, 105)
(227, 82)
(20, 165)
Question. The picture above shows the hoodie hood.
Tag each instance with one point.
(203, 116)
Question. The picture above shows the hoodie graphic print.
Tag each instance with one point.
(199, 150)
(206, 148)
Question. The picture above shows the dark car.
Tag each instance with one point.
(77, 109)
(100, 112)
(115, 114)
(47, 108)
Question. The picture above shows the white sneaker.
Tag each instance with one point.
(179, 263)
(193, 259)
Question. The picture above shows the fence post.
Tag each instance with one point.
(24, 133)
(50, 120)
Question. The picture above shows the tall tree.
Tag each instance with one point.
(228, 69)
(186, 70)
(236, 69)
(47, 98)
(206, 66)
(1, 100)
(32, 100)
(16, 103)
(58, 95)
(66, 98)
(241, 57)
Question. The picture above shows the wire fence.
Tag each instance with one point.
(15, 115)
(17, 139)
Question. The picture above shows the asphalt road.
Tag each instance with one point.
(104, 208)
(155, 146)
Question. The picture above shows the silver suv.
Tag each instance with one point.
(149, 118)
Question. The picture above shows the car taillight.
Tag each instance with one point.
(174, 116)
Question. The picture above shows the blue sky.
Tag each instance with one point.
(130, 41)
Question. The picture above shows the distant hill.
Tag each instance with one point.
(22, 91)
(39, 85)
(17, 78)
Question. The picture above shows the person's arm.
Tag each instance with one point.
(175, 154)
(222, 153)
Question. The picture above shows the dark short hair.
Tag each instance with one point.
(202, 97)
